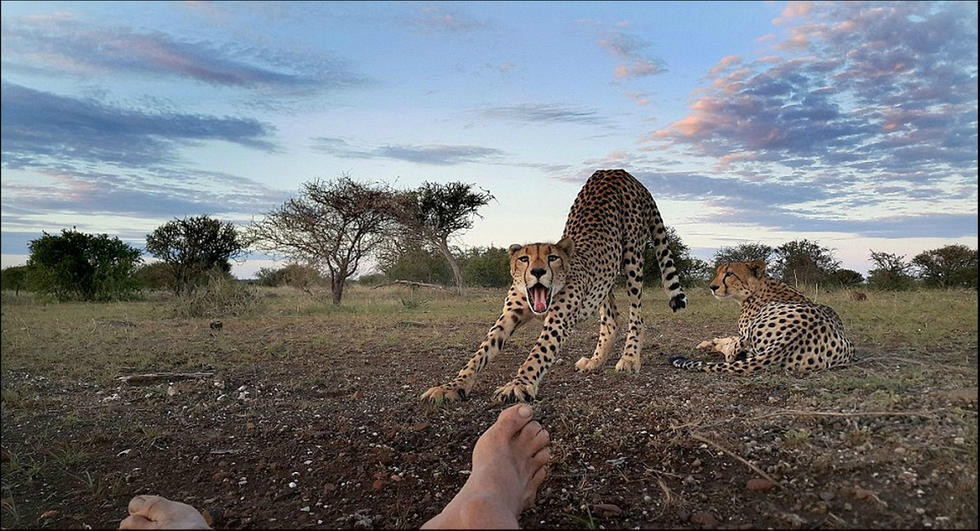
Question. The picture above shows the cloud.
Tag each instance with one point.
(154, 194)
(41, 128)
(436, 154)
(880, 90)
(544, 113)
(437, 19)
(629, 49)
(63, 45)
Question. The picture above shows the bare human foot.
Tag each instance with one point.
(155, 512)
(509, 463)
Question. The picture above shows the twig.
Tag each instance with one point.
(801, 413)
(754, 468)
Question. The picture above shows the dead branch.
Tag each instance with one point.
(410, 283)
(754, 468)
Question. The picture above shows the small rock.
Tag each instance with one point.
(794, 520)
(863, 494)
(305, 509)
(826, 495)
(171, 391)
(759, 485)
(292, 484)
(378, 484)
(704, 519)
(607, 509)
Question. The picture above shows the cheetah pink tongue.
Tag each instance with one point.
(539, 298)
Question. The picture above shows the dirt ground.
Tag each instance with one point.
(311, 418)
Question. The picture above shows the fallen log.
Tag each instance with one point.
(158, 377)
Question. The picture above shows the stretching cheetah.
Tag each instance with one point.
(610, 224)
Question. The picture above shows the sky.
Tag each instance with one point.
(852, 124)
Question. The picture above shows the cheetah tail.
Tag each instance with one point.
(672, 284)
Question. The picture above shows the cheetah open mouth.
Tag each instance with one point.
(539, 297)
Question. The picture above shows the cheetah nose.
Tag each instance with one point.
(713, 288)
(538, 273)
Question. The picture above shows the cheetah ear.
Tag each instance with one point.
(567, 245)
(514, 248)
(758, 268)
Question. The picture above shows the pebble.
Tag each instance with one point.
(759, 485)
(826, 495)
(704, 519)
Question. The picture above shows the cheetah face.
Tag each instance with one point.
(737, 280)
(540, 269)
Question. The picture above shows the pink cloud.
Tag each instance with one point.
(725, 62)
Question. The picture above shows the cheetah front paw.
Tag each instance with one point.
(449, 392)
(628, 365)
(517, 390)
(587, 364)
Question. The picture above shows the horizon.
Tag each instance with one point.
(850, 124)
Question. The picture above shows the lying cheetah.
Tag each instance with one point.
(778, 326)
(609, 226)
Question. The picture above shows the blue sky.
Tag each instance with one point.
(854, 124)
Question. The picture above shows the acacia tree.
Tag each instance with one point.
(433, 212)
(744, 252)
(806, 262)
(193, 246)
(949, 266)
(891, 272)
(332, 226)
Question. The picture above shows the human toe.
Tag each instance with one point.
(513, 419)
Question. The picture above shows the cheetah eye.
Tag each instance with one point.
(553, 257)
(728, 274)
(524, 259)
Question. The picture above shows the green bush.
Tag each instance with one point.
(488, 267)
(154, 276)
(80, 266)
(295, 275)
(219, 296)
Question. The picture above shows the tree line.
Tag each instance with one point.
(332, 228)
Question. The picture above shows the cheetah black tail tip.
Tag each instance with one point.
(678, 302)
(677, 361)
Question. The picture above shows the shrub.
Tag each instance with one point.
(219, 296)
(488, 267)
(154, 276)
